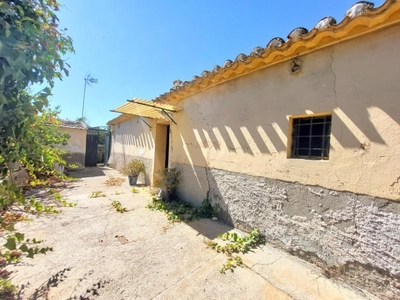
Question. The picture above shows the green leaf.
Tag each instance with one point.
(38, 105)
(30, 253)
(10, 245)
(4, 7)
(28, 19)
(19, 236)
(19, 76)
(24, 248)
(10, 227)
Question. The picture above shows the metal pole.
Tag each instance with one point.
(83, 102)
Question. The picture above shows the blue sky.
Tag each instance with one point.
(137, 48)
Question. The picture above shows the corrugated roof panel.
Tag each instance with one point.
(146, 109)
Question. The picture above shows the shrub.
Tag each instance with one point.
(169, 179)
(133, 168)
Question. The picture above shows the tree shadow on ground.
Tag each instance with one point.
(87, 172)
(42, 291)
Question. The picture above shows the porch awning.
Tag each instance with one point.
(120, 119)
(148, 109)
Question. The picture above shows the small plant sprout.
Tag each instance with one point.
(135, 190)
(64, 202)
(231, 263)
(118, 207)
(97, 194)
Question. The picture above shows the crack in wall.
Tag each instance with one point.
(396, 182)
(334, 76)
(208, 183)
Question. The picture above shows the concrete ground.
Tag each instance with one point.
(100, 253)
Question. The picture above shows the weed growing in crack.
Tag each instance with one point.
(134, 190)
(237, 244)
(181, 211)
(118, 207)
(231, 263)
(97, 194)
(64, 202)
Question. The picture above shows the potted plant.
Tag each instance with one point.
(133, 169)
(167, 182)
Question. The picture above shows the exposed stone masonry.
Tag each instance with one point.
(338, 229)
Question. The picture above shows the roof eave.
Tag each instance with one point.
(369, 21)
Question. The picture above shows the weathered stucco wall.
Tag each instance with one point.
(243, 126)
(76, 147)
(133, 139)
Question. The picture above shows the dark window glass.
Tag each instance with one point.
(311, 137)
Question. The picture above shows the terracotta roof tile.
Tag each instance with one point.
(361, 18)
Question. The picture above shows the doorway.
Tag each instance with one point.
(98, 143)
(92, 140)
(161, 151)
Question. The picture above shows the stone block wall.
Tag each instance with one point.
(349, 235)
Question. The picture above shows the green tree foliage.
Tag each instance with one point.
(38, 151)
(31, 50)
(31, 53)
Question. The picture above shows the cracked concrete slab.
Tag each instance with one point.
(100, 253)
(298, 278)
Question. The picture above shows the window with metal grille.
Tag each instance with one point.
(311, 137)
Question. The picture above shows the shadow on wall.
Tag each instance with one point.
(130, 140)
(260, 125)
(249, 116)
(352, 128)
(140, 140)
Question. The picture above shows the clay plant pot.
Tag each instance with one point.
(132, 180)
